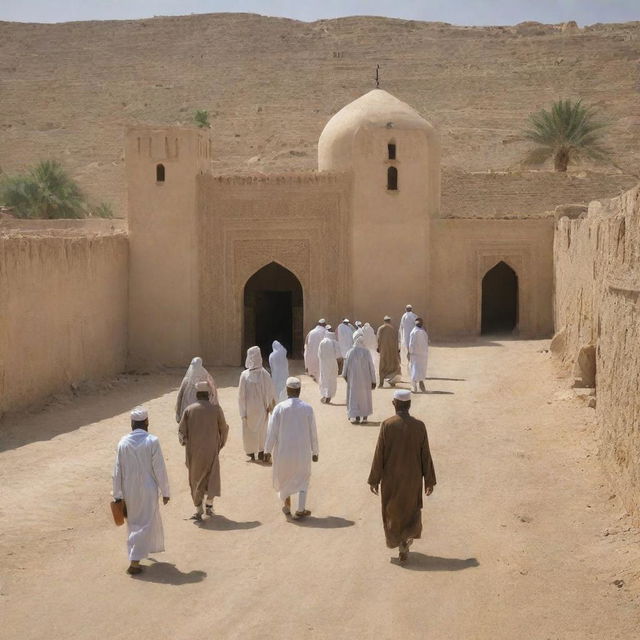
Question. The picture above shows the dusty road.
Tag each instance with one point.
(522, 536)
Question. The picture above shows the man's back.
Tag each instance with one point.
(295, 427)
(202, 426)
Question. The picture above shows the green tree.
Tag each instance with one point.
(569, 131)
(45, 191)
(103, 210)
(201, 118)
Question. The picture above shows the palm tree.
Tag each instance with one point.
(45, 191)
(201, 118)
(568, 131)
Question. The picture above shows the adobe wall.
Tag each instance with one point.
(300, 221)
(462, 251)
(63, 310)
(597, 303)
(512, 194)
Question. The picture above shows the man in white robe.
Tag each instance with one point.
(370, 341)
(139, 477)
(293, 440)
(345, 336)
(311, 344)
(407, 324)
(256, 399)
(328, 354)
(418, 355)
(360, 375)
(187, 392)
(279, 366)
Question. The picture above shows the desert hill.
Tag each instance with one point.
(270, 84)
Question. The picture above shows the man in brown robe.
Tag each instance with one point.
(389, 351)
(203, 432)
(402, 462)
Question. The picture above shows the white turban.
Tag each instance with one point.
(139, 414)
(254, 358)
(402, 394)
(293, 383)
(387, 318)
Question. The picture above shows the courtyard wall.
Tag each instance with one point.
(597, 307)
(63, 307)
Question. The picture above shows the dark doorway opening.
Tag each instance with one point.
(499, 300)
(273, 310)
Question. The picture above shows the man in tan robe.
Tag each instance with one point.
(402, 462)
(389, 367)
(203, 432)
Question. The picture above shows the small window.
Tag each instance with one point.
(392, 151)
(392, 179)
(160, 173)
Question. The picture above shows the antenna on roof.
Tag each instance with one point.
(377, 77)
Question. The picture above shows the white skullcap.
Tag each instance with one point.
(358, 323)
(329, 327)
(346, 320)
(293, 383)
(402, 394)
(387, 318)
(322, 321)
(139, 414)
(409, 306)
(203, 385)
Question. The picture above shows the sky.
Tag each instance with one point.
(461, 12)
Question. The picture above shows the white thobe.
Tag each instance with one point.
(407, 325)
(345, 338)
(328, 354)
(311, 344)
(256, 397)
(139, 477)
(293, 439)
(419, 353)
(279, 366)
(370, 341)
(360, 375)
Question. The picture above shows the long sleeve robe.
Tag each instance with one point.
(360, 375)
(293, 439)
(187, 391)
(328, 354)
(256, 398)
(279, 366)
(418, 353)
(311, 344)
(388, 347)
(407, 324)
(203, 431)
(139, 477)
(402, 464)
(345, 338)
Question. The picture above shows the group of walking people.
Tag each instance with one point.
(278, 427)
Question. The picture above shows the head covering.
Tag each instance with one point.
(322, 321)
(358, 323)
(139, 414)
(254, 358)
(408, 307)
(293, 383)
(402, 394)
(278, 348)
(202, 386)
(387, 318)
(346, 320)
(329, 327)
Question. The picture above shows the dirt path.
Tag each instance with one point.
(522, 537)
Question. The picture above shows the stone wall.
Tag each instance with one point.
(514, 194)
(597, 271)
(63, 311)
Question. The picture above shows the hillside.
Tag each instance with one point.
(270, 84)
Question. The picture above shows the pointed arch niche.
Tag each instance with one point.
(273, 310)
(499, 300)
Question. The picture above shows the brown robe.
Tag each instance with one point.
(389, 351)
(401, 462)
(203, 430)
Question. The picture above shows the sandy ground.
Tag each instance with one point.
(522, 539)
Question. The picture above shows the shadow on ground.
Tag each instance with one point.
(222, 523)
(327, 522)
(421, 562)
(167, 573)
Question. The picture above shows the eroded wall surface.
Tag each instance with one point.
(63, 311)
(597, 271)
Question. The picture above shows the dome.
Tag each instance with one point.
(377, 109)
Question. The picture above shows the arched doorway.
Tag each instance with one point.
(499, 300)
(273, 311)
